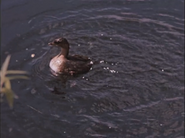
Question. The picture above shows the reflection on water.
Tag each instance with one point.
(135, 88)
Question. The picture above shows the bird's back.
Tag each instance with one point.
(77, 64)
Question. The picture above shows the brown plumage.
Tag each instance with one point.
(65, 64)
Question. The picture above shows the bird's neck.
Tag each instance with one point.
(64, 52)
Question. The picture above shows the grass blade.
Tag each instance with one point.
(16, 72)
(17, 77)
(4, 69)
(10, 97)
(3, 90)
(7, 83)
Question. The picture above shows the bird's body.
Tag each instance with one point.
(65, 64)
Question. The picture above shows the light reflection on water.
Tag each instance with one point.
(135, 87)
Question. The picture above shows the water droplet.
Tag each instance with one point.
(101, 61)
(112, 71)
(32, 55)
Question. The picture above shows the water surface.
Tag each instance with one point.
(135, 88)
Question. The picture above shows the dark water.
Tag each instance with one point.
(135, 89)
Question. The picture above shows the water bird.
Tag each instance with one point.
(63, 63)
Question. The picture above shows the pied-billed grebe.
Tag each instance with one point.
(65, 64)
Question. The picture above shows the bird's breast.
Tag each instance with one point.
(57, 64)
